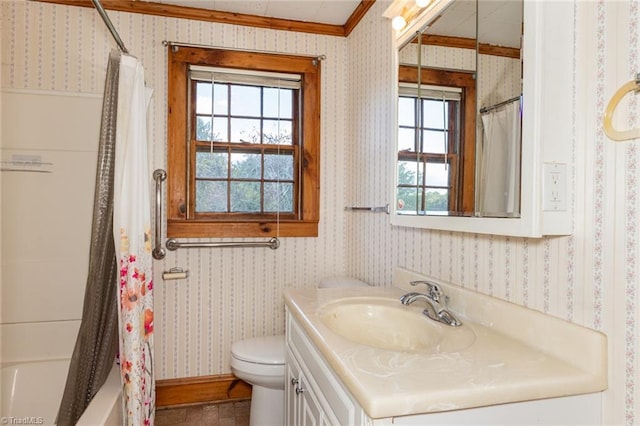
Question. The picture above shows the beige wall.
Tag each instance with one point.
(590, 278)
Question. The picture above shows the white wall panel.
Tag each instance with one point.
(46, 216)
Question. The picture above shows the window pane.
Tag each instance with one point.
(245, 100)
(407, 172)
(407, 200)
(278, 103)
(203, 98)
(406, 139)
(278, 197)
(211, 164)
(220, 129)
(433, 141)
(406, 112)
(433, 114)
(245, 130)
(245, 196)
(277, 132)
(221, 99)
(437, 174)
(203, 128)
(246, 166)
(278, 166)
(437, 199)
(211, 196)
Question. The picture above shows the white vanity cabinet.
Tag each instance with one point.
(523, 368)
(313, 395)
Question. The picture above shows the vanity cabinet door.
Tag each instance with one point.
(310, 409)
(324, 398)
(302, 407)
(292, 407)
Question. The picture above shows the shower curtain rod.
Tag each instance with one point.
(107, 22)
(498, 105)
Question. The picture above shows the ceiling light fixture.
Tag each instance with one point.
(398, 23)
(407, 16)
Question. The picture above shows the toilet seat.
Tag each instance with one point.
(254, 373)
(267, 350)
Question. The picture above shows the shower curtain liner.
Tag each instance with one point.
(97, 342)
(118, 305)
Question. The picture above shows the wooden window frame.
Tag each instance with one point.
(179, 224)
(463, 188)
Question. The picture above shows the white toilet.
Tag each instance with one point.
(260, 361)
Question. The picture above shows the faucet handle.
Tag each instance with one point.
(433, 290)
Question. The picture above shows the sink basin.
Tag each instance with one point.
(384, 323)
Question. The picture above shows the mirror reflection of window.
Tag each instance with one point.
(428, 144)
(436, 139)
(477, 40)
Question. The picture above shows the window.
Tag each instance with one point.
(436, 137)
(243, 144)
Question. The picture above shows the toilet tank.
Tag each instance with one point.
(332, 282)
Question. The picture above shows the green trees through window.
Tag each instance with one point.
(236, 173)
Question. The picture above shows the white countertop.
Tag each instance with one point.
(518, 355)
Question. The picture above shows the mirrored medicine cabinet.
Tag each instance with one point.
(457, 81)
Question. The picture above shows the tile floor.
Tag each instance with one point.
(222, 414)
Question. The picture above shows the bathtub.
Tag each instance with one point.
(32, 391)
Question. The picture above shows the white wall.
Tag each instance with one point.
(591, 277)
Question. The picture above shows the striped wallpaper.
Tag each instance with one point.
(590, 278)
(230, 293)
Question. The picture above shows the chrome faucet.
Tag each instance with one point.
(436, 303)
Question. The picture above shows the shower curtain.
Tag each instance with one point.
(96, 344)
(118, 303)
(132, 234)
(499, 177)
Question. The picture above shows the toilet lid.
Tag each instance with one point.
(260, 350)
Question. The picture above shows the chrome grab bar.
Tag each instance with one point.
(272, 243)
(381, 209)
(159, 253)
